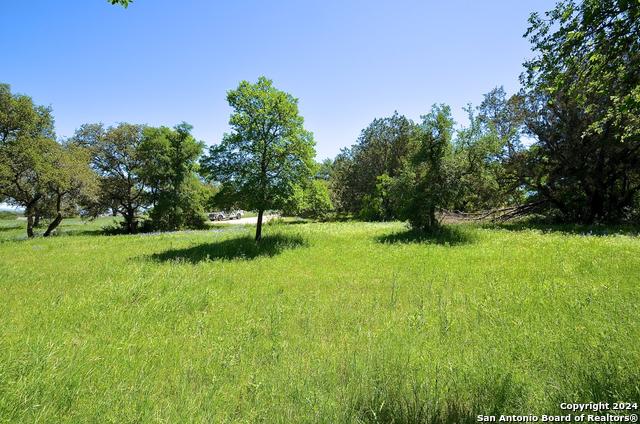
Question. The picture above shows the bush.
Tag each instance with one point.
(310, 200)
(6, 215)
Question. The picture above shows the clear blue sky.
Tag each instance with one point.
(161, 62)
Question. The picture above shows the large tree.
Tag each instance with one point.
(117, 159)
(488, 154)
(584, 100)
(379, 154)
(71, 184)
(426, 185)
(169, 172)
(36, 172)
(26, 139)
(268, 153)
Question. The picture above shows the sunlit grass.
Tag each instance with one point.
(339, 322)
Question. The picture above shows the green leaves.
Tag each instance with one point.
(382, 148)
(169, 173)
(36, 172)
(583, 92)
(268, 153)
(116, 158)
(125, 3)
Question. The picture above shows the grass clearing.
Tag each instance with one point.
(334, 322)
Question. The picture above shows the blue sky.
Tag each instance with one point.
(161, 62)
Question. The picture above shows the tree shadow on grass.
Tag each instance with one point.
(236, 248)
(11, 227)
(577, 229)
(447, 235)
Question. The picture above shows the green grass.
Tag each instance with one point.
(249, 214)
(333, 323)
(8, 215)
(14, 230)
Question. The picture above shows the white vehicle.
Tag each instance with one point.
(217, 216)
(236, 214)
(222, 216)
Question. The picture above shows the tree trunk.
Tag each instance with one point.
(53, 225)
(36, 221)
(57, 220)
(29, 224)
(130, 223)
(29, 212)
(130, 217)
(259, 227)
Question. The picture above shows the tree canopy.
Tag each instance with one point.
(268, 153)
(37, 172)
(169, 172)
(583, 101)
(381, 149)
(116, 158)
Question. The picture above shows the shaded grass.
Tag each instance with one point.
(236, 248)
(577, 229)
(17, 230)
(10, 227)
(446, 236)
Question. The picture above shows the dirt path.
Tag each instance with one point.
(244, 221)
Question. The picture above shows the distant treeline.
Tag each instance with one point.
(566, 148)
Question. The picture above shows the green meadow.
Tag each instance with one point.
(323, 322)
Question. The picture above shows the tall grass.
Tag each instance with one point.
(342, 322)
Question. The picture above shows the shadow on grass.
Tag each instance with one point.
(585, 230)
(236, 248)
(11, 227)
(447, 235)
(343, 217)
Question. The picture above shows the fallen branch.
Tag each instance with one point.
(494, 215)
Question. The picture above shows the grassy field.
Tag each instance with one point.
(332, 323)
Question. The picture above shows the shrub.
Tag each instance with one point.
(6, 215)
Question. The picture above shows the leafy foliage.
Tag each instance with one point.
(268, 153)
(584, 106)
(169, 173)
(8, 215)
(381, 149)
(125, 3)
(488, 154)
(592, 56)
(36, 172)
(427, 183)
(310, 199)
(117, 159)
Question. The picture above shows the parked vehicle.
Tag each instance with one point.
(217, 216)
(224, 215)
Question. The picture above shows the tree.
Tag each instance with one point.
(268, 153)
(426, 184)
(36, 172)
(26, 138)
(583, 94)
(593, 56)
(73, 182)
(169, 172)
(26, 170)
(381, 149)
(488, 154)
(117, 159)
(310, 199)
